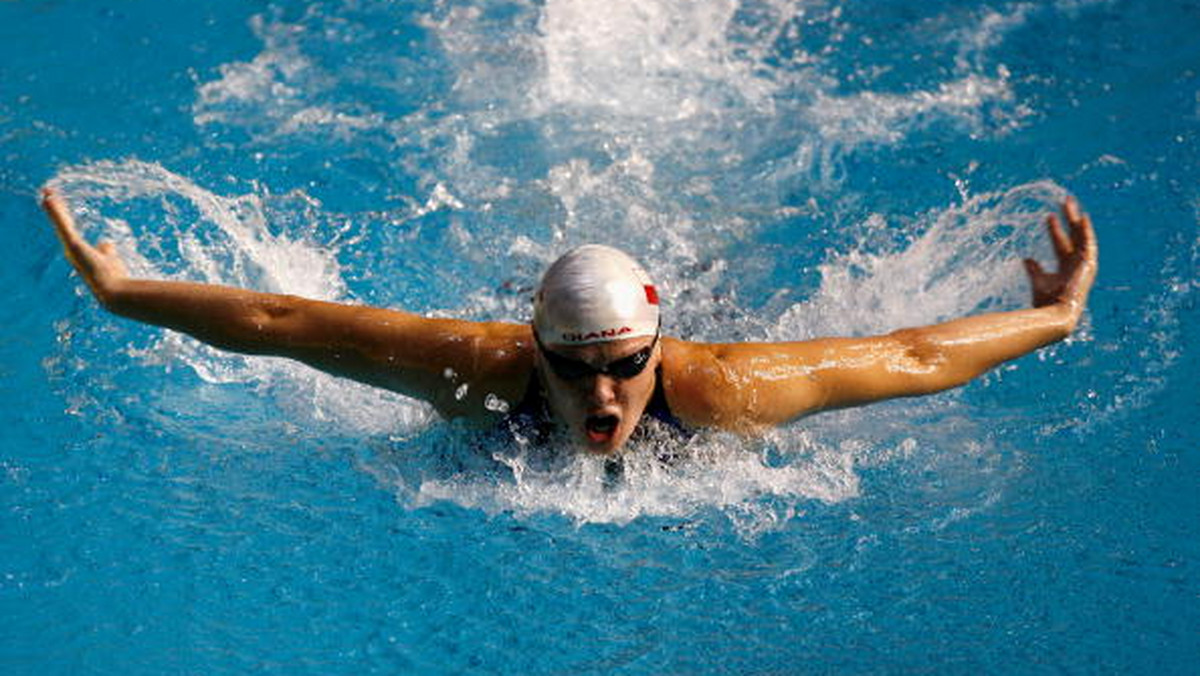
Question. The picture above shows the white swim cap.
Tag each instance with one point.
(594, 294)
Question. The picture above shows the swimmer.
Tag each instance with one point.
(594, 362)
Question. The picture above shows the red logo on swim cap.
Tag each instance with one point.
(651, 294)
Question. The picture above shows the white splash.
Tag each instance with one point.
(888, 118)
(958, 261)
(281, 92)
(183, 231)
(673, 128)
(711, 471)
(669, 59)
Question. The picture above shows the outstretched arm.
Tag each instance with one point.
(749, 385)
(425, 358)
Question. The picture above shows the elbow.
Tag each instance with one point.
(272, 310)
(917, 352)
(258, 326)
(264, 324)
(927, 365)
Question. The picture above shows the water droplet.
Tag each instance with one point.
(493, 403)
(460, 392)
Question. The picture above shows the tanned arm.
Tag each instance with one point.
(748, 386)
(424, 358)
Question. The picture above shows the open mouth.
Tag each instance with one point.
(600, 428)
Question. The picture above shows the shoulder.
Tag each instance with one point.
(492, 373)
(742, 387)
(698, 385)
(465, 369)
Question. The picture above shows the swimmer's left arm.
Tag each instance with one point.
(751, 385)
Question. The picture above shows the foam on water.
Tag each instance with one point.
(281, 92)
(674, 129)
(745, 480)
(756, 483)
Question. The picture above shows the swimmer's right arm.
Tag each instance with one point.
(425, 358)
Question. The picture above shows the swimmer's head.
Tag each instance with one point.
(595, 294)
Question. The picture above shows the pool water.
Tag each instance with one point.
(785, 169)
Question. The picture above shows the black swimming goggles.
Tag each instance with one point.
(621, 369)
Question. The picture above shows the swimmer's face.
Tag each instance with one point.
(599, 410)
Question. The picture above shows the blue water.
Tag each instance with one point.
(785, 169)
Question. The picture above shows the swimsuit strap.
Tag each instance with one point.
(658, 408)
(531, 416)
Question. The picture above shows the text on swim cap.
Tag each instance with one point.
(579, 337)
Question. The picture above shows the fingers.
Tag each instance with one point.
(55, 206)
(1075, 248)
(100, 266)
(52, 200)
(1034, 268)
(81, 254)
(1083, 236)
(1070, 209)
(1038, 283)
(1062, 245)
(1071, 213)
(1079, 238)
(60, 215)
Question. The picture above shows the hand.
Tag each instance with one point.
(1077, 265)
(100, 266)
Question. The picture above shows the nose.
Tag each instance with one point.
(601, 389)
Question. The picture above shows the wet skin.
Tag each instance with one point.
(741, 387)
(599, 411)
